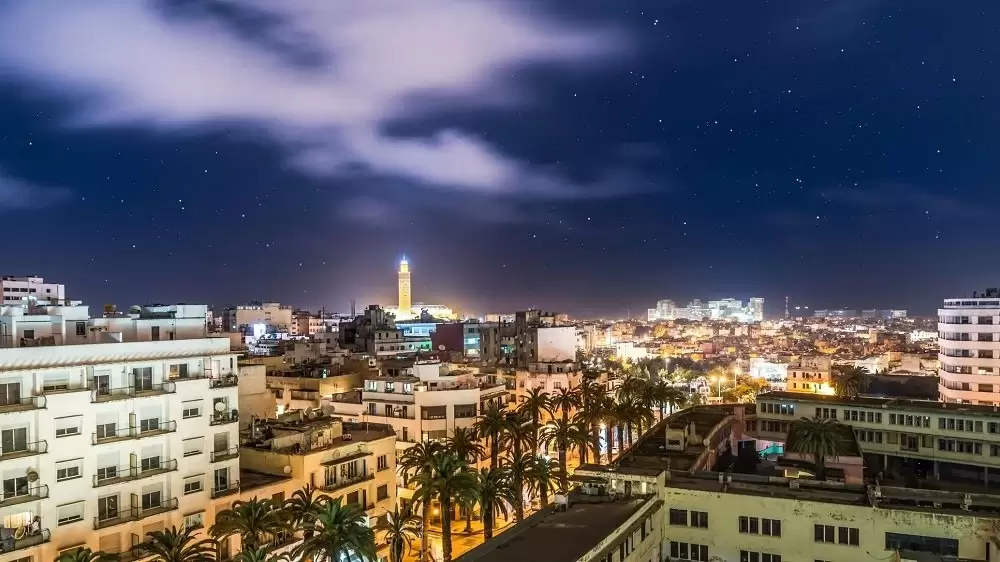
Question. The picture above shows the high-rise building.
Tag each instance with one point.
(404, 285)
(969, 349)
(757, 309)
(17, 289)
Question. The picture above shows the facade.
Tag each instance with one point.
(274, 316)
(18, 289)
(757, 309)
(104, 442)
(811, 374)
(969, 349)
(305, 323)
(549, 377)
(403, 282)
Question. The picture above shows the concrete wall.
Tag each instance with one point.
(557, 344)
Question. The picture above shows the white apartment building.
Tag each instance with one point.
(969, 349)
(19, 289)
(105, 442)
(271, 314)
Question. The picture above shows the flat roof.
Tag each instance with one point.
(910, 405)
(557, 536)
(251, 479)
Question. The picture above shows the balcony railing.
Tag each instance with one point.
(106, 394)
(24, 495)
(225, 454)
(229, 488)
(132, 432)
(222, 418)
(157, 429)
(149, 510)
(329, 487)
(127, 473)
(9, 405)
(224, 382)
(25, 450)
(28, 541)
(133, 513)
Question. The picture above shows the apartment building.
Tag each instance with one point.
(105, 442)
(969, 349)
(353, 462)
(548, 377)
(911, 483)
(19, 289)
(273, 315)
(810, 374)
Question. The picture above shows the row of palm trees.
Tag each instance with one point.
(324, 527)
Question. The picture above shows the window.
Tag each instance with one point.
(180, 370)
(149, 424)
(382, 462)
(15, 487)
(68, 470)
(193, 484)
(154, 333)
(848, 535)
(770, 527)
(151, 500)
(382, 492)
(142, 379)
(918, 543)
(678, 517)
(29, 334)
(150, 463)
(81, 328)
(10, 393)
(699, 519)
(191, 409)
(750, 556)
(68, 426)
(70, 513)
(14, 440)
(824, 533)
(371, 386)
(194, 521)
(686, 551)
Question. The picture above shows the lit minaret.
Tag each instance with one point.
(404, 286)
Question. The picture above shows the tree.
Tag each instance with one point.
(255, 521)
(400, 530)
(451, 480)
(493, 491)
(339, 530)
(565, 400)
(518, 436)
(542, 477)
(86, 555)
(464, 443)
(299, 508)
(175, 545)
(420, 459)
(745, 389)
(490, 426)
(850, 381)
(593, 402)
(262, 554)
(536, 403)
(819, 437)
(565, 435)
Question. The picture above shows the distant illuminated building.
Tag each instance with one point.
(757, 309)
(408, 310)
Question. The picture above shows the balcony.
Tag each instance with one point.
(24, 495)
(225, 454)
(105, 436)
(25, 450)
(224, 382)
(117, 475)
(133, 513)
(339, 484)
(108, 394)
(226, 417)
(10, 405)
(227, 489)
(28, 542)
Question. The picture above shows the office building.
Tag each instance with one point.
(757, 309)
(969, 349)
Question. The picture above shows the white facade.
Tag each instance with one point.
(969, 349)
(105, 442)
(271, 314)
(557, 343)
(18, 289)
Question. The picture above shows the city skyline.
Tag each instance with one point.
(582, 157)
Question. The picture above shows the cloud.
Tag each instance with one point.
(16, 194)
(904, 197)
(320, 77)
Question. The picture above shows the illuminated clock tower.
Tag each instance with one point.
(404, 287)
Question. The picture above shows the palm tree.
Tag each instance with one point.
(255, 521)
(850, 381)
(463, 443)
(518, 468)
(517, 436)
(176, 545)
(490, 426)
(565, 435)
(673, 398)
(819, 437)
(86, 555)
(541, 477)
(339, 530)
(262, 554)
(493, 491)
(299, 508)
(451, 480)
(420, 459)
(593, 400)
(536, 403)
(400, 530)
(564, 400)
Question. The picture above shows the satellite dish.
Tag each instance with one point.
(220, 407)
(441, 347)
(32, 475)
(287, 469)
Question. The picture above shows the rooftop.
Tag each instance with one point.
(296, 433)
(910, 405)
(250, 479)
(558, 536)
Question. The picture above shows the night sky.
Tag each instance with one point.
(587, 156)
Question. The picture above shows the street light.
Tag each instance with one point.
(719, 381)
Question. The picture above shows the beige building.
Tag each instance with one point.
(271, 314)
(810, 374)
